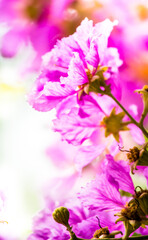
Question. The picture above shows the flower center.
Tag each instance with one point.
(133, 154)
(89, 75)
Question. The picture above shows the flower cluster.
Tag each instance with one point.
(80, 79)
(91, 75)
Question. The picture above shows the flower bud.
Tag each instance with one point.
(61, 215)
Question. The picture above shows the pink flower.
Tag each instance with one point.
(76, 61)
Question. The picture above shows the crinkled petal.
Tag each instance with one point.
(88, 105)
(136, 134)
(60, 56)
(76, 72)
(102, 30)
(52, 94)
(100, 194)
(83, 35)
(86, 154)
(75, 129)
(92, 56)
(119, 170)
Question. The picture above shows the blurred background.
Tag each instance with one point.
(24, 136)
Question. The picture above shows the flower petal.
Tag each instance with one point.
(86, 154)
(120, 172)
(136, 134)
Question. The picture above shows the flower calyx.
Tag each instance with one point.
(61, 215)
(138, 157)
(98, 85)
(113, 124)
(144, 92)
(132, 217)
(96, 82)
(104, 232)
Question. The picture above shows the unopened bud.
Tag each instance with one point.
(61, 215)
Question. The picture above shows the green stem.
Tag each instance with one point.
(130, 238)
(142, 118)
(138, 124)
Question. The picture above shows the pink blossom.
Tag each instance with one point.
(76, 59)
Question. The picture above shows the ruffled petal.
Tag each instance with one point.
(136, 134)
(52, 94)
(86, 154)
(76, 72)
(100, 194)
(120, 172)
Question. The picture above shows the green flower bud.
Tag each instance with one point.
(61, 215)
